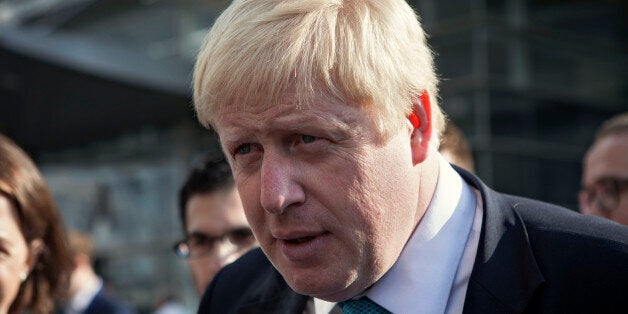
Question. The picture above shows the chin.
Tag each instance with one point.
(323, 285)
(334, 296)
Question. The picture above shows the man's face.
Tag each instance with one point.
(331, 204)
(605, 162)
(211, 215)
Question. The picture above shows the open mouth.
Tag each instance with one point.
(304, 246)
(300, 240)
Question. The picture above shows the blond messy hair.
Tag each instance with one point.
(367, 52)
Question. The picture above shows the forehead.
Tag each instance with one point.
(215, 211)
(9, 228)
(320, 110)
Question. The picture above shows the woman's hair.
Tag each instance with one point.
(38, 218)
(370, 53)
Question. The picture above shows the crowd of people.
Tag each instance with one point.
(336, 191)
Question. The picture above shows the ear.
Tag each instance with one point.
(421, 121)
(35, 248)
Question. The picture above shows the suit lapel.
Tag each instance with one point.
(505, 274)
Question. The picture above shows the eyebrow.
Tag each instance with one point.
(610, 178)
(199, 234)
(295, 122)
(333, 125)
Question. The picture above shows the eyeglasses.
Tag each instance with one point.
(604, 194)
(199, 244)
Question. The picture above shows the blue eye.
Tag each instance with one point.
(243, 149)
(308, 138)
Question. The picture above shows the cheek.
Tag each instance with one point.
(249, 191)
(623, 199)
(9, 284)
(203, 268)
(383, 186)
(621, 213)
(353, 198)
(387, 197)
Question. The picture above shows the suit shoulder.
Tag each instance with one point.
(250, 265)
(541, 217)
(236, 281)
(544, 218)
(104, 302)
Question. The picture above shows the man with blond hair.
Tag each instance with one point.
(327, 112)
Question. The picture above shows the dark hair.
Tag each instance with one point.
(613, 126)
(38, 218)
(211, 174)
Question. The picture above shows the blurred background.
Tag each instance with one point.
(98, 92)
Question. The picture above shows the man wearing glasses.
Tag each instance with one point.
(216, 230)
(605, 172)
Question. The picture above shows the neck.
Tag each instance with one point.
(82, 277)
(428, 172)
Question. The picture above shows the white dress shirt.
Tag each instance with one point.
(433, 270)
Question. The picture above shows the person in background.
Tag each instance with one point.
(604, 190)
(87, 294)
(169, 303)
(327, 112)
(34, 259)
(215, 227)
(455, 148)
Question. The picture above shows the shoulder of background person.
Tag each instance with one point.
(105, 303)
(251, 285)
(538, 257)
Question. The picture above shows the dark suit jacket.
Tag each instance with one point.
(532, 257)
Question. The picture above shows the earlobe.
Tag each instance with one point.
(419, 147)
(420, 118)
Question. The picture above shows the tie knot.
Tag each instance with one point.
(362, 305)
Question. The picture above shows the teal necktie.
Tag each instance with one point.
(362, 305)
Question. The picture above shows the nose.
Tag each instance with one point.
(279, 187)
